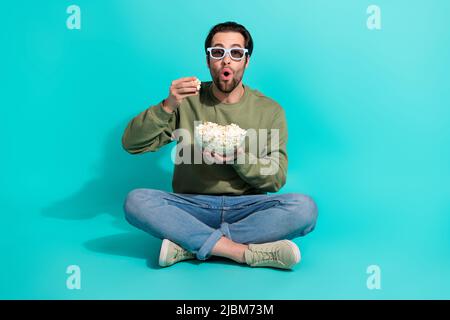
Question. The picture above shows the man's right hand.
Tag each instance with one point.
(180, 89)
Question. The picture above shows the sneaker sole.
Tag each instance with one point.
(163, 253)
(295, 249)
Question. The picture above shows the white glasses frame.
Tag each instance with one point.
(227, 51)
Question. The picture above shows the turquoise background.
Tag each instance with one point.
(368, 118)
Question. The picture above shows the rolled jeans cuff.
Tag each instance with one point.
(205, 250)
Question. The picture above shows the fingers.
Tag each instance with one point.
(186, 84)
(182, 88)
(208, 157)
(176, 82)
(185, 87)
(183, 92)
(213, 157)
(184, 95)
(224, 159)
(186, 90)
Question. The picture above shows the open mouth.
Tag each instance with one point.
(226, 74)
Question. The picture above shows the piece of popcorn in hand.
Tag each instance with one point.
(223, 140)
(199, 84)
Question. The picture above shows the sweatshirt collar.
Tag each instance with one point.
(217, 102)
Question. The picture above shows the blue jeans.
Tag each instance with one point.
(196, 221)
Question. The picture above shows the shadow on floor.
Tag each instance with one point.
(142, 246)
(130, 244)
(118, 173)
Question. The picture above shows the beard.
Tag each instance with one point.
(227, 86)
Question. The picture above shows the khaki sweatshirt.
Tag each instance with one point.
(264, 169)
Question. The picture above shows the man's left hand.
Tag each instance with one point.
(218, 158)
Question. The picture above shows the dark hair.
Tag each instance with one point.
(230, 26)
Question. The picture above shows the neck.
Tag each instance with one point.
(229, 98)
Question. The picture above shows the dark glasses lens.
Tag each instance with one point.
(217, 53)
(237, 53)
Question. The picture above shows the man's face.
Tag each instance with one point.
(217, 67)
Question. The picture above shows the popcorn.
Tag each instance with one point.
(199, 83)
(220, 139)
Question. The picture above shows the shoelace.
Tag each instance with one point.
(266, 255)
(181, 253)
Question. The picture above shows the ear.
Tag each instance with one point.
(207, 61)
(248, 61)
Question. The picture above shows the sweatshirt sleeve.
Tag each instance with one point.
(267, 171)
(149, 130)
